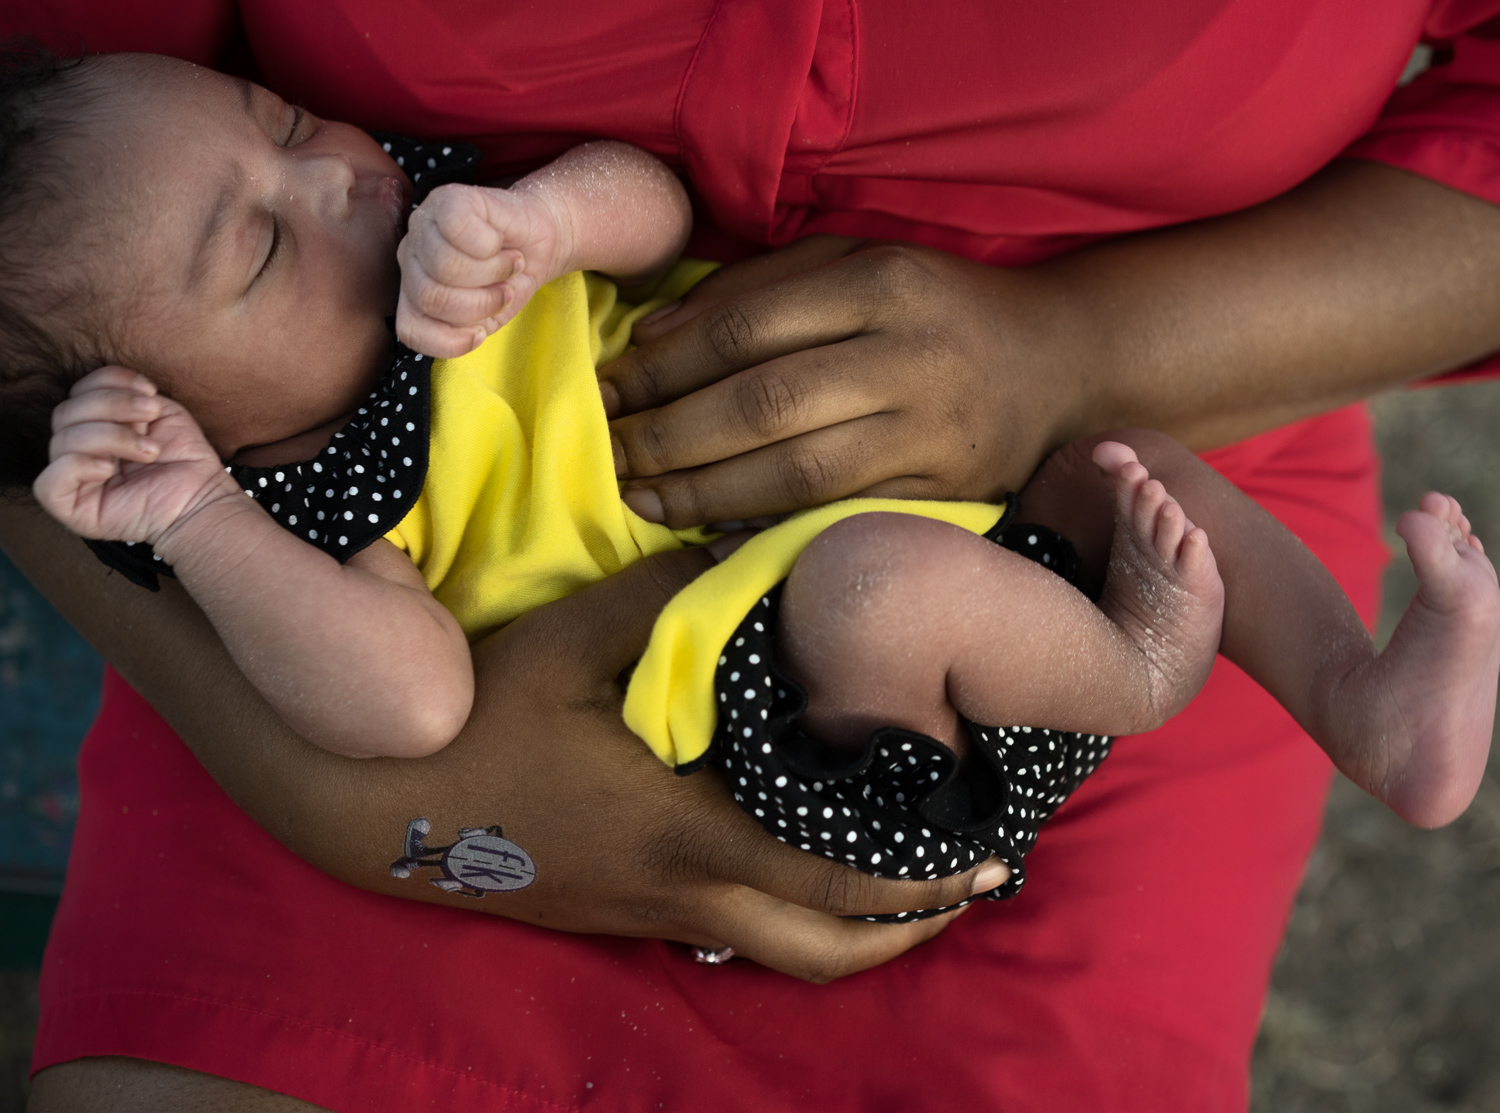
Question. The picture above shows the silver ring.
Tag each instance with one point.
(710, 956)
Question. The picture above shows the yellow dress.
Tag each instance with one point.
(520, 506)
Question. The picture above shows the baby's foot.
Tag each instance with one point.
(1162, 587)
(1431, 695)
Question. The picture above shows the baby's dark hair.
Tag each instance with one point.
(44, 348)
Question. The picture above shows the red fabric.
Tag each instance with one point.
(1130, 973)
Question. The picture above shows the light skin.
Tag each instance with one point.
(1410, 725)
(242, 213)
(874, 595)
(1342, 287)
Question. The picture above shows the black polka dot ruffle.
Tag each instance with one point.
(902, 808)
(354, 491)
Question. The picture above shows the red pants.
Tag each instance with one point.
(1129, 975)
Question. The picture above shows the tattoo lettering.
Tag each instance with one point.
(481, 861)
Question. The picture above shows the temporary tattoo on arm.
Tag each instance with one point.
(481, 861)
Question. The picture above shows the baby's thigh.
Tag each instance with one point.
(886, 593)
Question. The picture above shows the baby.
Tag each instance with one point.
(241, 255)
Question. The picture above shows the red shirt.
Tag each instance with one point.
(1131, 973)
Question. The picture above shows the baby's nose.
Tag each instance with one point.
(329, 177)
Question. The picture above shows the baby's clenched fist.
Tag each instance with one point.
(471, 258)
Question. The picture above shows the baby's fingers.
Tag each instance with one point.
(109, 440)
(113, 376)
(437, 338)
(451, 263)
(122, 405)
(450, 304)
(461, 216)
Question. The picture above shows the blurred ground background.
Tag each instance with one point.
(1386, 996)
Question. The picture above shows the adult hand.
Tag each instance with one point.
(838, 367)
(621, 845)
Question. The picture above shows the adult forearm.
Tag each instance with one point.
(1363, 278)
(620, 844)
(165, 646)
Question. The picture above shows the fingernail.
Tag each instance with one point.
(646, 503)
(618, 451)
(657, 314)
(520, 265)
(611, 396)
(991, 875)
(149, 447)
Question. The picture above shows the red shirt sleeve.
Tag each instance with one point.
(1445, 125)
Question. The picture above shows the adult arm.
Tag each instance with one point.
(836, 367)
(622, 846)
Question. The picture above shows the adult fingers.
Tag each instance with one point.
(838, 461)
(742, 853)
(806, 944)
(738, 278)
(805, 311)
(774, 401)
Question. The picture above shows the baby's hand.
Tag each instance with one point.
(472, 257)
(127, 463)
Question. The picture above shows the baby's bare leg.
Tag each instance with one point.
(1411, 726)
(897, 620)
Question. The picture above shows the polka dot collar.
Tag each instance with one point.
(369, 476)
(354, 491)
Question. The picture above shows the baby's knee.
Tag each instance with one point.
(877, 567)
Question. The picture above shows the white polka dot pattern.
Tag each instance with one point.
(901, 808)
(354, 491)
(364, 482)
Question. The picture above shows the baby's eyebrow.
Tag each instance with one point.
(213, 228)
(223, 208)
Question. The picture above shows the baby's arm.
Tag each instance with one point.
(357, 658)
(473, 255)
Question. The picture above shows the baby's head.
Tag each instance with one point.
(196, 228)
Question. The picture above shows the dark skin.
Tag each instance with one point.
(892, 369)
(897, 370)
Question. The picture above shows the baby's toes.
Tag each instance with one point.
(1195, 560)
(1171, 527)
(1112, 456)
(1149, 502)
(1429, 543)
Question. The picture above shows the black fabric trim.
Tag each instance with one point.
(430, 163)
(353, 492)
